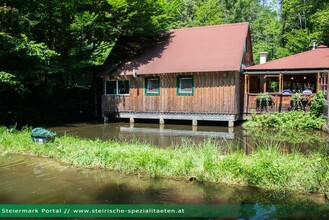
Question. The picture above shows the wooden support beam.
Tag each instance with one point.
(280, 82)
(246, 84)
(264, 84)
(328, 88)
(246, 92)
(179, 116)
(279, 107)
(318, 82)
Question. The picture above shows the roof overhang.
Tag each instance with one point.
(269, 72)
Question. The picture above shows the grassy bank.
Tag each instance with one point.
(266, 167)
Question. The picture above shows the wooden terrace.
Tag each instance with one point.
(286, 80)
(280, 103)
(256, 84)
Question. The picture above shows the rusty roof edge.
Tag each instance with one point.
(286, 71)
(285, 58)
(185, 72)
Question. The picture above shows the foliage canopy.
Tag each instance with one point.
(50, 50)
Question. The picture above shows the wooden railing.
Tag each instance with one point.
(280, 103)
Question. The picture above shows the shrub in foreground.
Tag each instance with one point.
(286, 120)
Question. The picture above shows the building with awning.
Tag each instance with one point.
(303, 73)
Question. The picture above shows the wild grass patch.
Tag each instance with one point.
(265, 167)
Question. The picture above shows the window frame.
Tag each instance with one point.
(150, 93)
(178, 84)
(116, 88)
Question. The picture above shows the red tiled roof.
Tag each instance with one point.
(312, 59)
(200, 49)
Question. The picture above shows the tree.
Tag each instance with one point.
(210, 12)
(265, 32)
(242, 11)
(137, 25)
(51, 50)
(303, 21)
(320, 23)
(185, 13)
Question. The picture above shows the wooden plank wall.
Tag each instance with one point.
(213, 93)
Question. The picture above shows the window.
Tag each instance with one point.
(123, 87)
(117, 87)
(110, 88)
(185, 85)
(152, 86)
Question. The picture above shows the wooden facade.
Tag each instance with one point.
(216, 96)
(212, 58)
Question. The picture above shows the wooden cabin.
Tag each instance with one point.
(194, 74)
(283, 79)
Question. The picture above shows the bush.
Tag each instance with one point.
(317, 104)
(291, 120)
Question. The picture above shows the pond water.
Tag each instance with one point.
(31, 180)
(170, 134)
(161, 136)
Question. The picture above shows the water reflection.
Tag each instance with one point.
(27, 180)
(169, 135)
(159, 135)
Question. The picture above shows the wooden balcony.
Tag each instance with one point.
(280, 103)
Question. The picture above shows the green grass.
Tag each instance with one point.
(265, 167)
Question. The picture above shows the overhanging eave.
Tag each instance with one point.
(270, 72)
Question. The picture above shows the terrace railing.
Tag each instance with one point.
(280, 103)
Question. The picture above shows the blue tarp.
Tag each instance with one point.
(43, 133)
